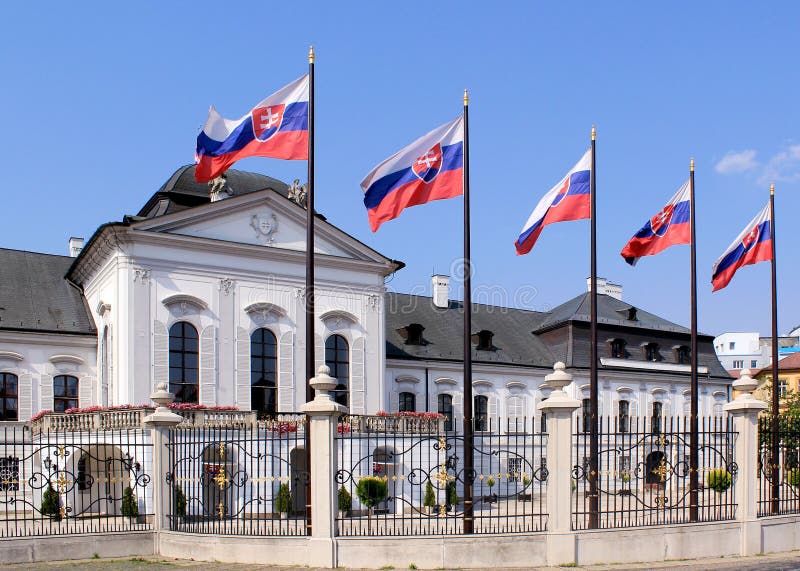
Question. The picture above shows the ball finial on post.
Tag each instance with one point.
(594, 133)
(772, 189)
(311, 57)
(691, 164)
(466, 98)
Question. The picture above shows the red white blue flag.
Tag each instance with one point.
(277, 127)
(430, 168)
(568, 200)
(671, 226)
(753, 245)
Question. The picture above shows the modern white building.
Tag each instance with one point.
(740, 350)
(206, 294)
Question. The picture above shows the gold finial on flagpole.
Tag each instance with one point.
(691, 164)
(772, 189)
(466, 98)
(311, 54)
(594, 133)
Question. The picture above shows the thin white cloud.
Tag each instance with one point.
(783, 167)
(737, 162)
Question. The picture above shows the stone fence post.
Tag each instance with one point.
(745, 410)
(559, 408)
(323, 415)
(160, 422)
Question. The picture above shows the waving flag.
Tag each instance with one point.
(277, 127)
(430, 168)
(568, 200)
(753, 245)
(669, 227)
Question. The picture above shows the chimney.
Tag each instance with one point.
(605, 287)
(441, 290)
(75, 247)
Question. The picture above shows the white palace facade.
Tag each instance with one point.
(208, 296)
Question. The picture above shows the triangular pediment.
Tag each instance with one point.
(263, 218)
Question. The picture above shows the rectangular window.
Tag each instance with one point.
(738, 363)
(753, 364)
(655, 421)
(445, 408)
(9, 474)
(732, 345)
(782, 387)
(515, 470)
(623, 416)
(624, 466)
(586, 411)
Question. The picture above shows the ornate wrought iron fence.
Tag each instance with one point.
(405, 476)
(779, 482)
(239, 479)
(643, 474)
(74, 481)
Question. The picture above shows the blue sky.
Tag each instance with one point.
(103, 101)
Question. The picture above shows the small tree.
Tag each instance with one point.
(50, 503)
(179, 500)
(129, 507)
(719, 480)
(345, 500)
(429, 500)
(283, 501)
(452, 495)
(372, 490)
(490, 481)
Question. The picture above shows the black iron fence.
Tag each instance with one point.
(239, 478)
(405, 475)
(779, 481)
(74, 482)
(643, 473)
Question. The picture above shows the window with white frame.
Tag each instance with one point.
(515, 469)
(738, 363)
(9, 474)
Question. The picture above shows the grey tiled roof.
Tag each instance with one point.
(34, 296)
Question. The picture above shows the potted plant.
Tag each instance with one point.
(429, 501)
(525, 496)
(283, 501)
(490, 482)
(625, 490)
(719, 480)
(129, 507)
(179, 503)
(372, 490)
(51, 505)
(452, 496)
(345, 501)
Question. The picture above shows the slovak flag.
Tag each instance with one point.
(568, 200)
(430, 168)
(277, 127)
(669, 227)
(753, 245)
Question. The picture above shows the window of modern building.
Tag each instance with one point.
(444, 406)
(9, 387)
(481, 412)
(738, 363)
(184, 367)
(586, 414)
(753, 364)
(65, 392)
(263, 372)
(337, 358)
(655, 421)
(623, 415)
(408, 402)
(731, 345)
(618, 349)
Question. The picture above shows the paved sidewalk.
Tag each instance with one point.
(774, 562)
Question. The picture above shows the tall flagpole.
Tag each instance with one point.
(469, 469)
(775, 444)
(594, 448)
(309, 297)
(694, 440)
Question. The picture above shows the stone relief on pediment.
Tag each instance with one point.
(265, 226)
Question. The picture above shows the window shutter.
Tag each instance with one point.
(286, 372)
(110, 357)
(160, 355)
(394, 401)
(85, 391)
(357, 373)
(46, 392)
(493, 419)
(242, 369)
(208, 369)
(458, 410)
(25, 393)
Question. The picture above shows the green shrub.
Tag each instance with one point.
(429, 500)
(452, 495)
(283, 500)
(51, 503)
(490, 481)
(719, 480)
(626, 477)
(345, 500)
(793, 477)
(372, 490)
(526, 481)
(129, 506)
(179, 502)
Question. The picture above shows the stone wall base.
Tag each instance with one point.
(67, 547)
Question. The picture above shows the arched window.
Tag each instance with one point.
(263, 371)
(408, 402)
(65, 392)
(337, 358)
(183, 362)
(623, 415)
(444, 406)
(481, 412)
(8, 396)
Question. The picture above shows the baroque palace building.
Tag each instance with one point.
(203, 289)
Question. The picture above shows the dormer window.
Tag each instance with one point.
(485, 341)
(651, 352)
(632, 314)
(618, 349)
(683, 355)
(413, 334)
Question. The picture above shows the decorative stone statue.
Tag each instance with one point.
(219, 188)
(297, 192)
